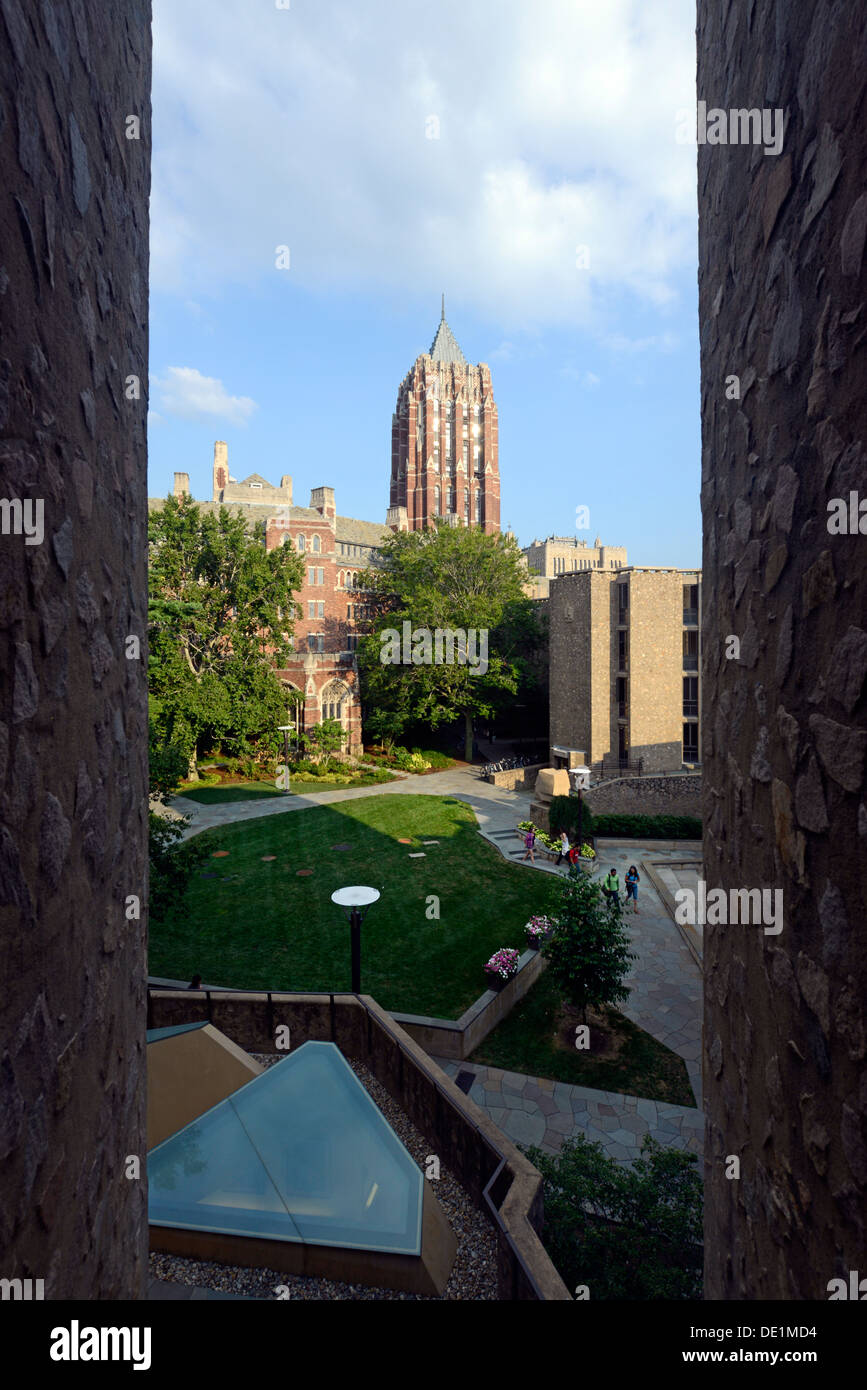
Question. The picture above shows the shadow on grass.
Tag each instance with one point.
(263, 923)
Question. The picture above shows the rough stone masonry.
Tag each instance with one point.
(73, 708)
(782, 309)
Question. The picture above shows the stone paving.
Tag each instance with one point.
(665, 981)
(532, 1110)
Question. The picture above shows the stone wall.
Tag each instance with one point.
(648, 796)
(73, 710)
(782, 284)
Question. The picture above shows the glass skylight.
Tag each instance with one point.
(300, 1153)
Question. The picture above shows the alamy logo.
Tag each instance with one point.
(857, 1288)
(748, 906)
(25, 518)
(740, 126)
(24, 1289)
(847, 521)
(444, 646)
(76, 1343)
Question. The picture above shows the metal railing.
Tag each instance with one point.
(617, 766)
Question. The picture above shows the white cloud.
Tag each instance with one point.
(307, 127)
(657, 342)
(186, 393)
(588, 380)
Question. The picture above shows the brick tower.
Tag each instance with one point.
(444, 448)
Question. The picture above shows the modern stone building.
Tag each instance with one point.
(624, 669)
(782, 288)
(336, 549)
(444, 442)
(565, 555)
(73, 647)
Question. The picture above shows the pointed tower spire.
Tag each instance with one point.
(444, 347)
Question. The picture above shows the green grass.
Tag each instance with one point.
(524, 1042)
(266, 928)
(229, 791)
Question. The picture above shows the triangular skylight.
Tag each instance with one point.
(301, 1153)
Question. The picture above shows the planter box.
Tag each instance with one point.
(497, 982)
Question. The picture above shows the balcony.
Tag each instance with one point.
(690, 663)
(690, 617)
(690, 709)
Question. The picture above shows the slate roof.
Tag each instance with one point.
(360, 532)
(444, 347)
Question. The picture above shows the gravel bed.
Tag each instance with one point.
(474, 1275)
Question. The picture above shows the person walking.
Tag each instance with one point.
(632, 880)
(611, 887)
(530, 841)
(564, 846)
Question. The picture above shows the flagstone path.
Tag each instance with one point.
(533, 1110)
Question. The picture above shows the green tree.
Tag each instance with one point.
(324, 739)
(452, 579)
(221, 617)
(171, 864)
(589, 952)
(625, 1232)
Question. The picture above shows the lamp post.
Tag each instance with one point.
(355, 902)
(580, 779)
(283, 774)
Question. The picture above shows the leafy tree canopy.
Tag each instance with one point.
(623, 1232)
(451, 579)
(221, 616)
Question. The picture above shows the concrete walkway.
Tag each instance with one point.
(496, 809)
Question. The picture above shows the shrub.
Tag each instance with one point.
(563, 815)
(627, 1233)
(648, 827)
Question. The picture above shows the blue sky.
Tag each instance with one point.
(520, 158)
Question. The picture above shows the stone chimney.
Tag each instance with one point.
(182, 484)
(322, 500)
(221, 468)
(286, 487)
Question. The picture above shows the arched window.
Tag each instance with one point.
(437, 502)
(301, 543)
(478, 506)
(341, 579)
(316, 544)
(336, 703)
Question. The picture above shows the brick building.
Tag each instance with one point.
(444, 442)
(624, 668)
(335, 550)
(564, 555)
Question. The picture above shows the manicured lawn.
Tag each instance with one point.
(229, 791)
(259, 925)
(637, 1065)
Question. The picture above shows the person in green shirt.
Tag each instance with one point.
(611, 886)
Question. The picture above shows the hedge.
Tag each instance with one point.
(563, 815)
